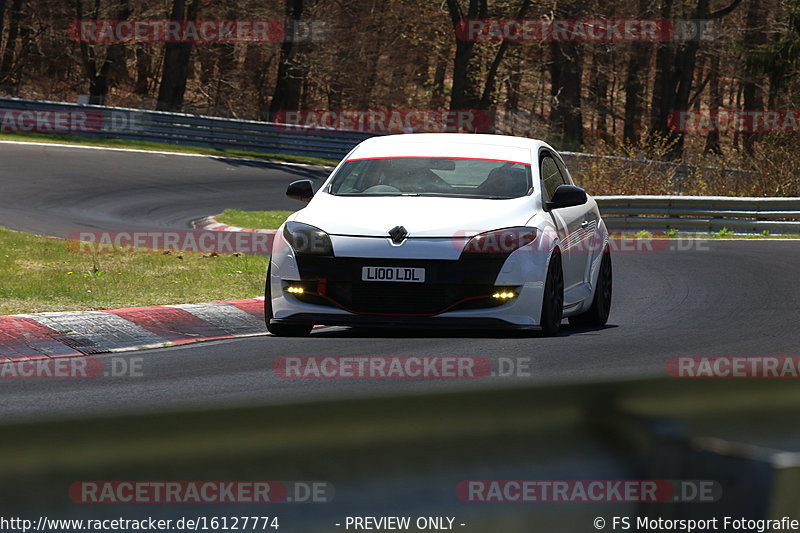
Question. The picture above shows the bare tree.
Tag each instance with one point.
(292, 70)
(751, 84)
(98, 76)
(2, 21)
(7, 62)
(566, 68)
(675, 69)
(176, 60)
(491, 75)
(636, 79)
(714, 103)
(464, 94)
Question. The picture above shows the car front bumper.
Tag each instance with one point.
(457, 292)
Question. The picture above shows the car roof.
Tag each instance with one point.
(468, 145)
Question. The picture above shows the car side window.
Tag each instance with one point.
(551, 176)
(564, 172)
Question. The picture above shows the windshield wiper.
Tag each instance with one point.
(470, 196)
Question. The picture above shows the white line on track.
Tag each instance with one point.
(157, 152)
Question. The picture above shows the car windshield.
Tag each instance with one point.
(432, 176)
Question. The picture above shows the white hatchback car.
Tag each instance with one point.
(437, 229)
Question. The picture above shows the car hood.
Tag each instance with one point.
(422, 216)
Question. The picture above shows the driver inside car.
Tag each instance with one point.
(374, 175)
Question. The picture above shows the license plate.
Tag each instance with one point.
(407, 274)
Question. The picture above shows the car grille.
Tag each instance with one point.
(343, 287)
(403, 298)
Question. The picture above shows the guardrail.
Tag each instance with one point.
(85, 120)
(701, 214)
(691, 214)
(176, 128)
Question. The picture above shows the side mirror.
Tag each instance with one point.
(567, 196)
(300, 190)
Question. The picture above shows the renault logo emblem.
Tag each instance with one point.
(398, 234)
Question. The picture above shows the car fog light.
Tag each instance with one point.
(504, 295)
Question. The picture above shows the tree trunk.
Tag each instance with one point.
(636, 82)
(335, 95)
(566, 66)
(291, 68)
(143, 72)
(488, 88)
(514, 81)
(2, 21)
(115, 58)
(686, 62)
(437, 92)
(464, 94)
(176, 61)
(601, 66)
(636, 78)
(7, 62)
(751, 89)
(714, 103)
(675, 68)
(664, 82)
(566, 115)
(736, 135)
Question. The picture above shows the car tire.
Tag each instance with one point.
(553, 297)
(281, 330)
(597, 314)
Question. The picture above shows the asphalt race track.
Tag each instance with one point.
(54, 190)
(717, 298)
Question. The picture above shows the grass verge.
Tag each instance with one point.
(722, 234)
(253, 219)
(41, 274)
(53, 138)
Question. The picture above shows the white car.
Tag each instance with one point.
(438, 229)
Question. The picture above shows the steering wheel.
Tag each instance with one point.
(426, 182)
(381, 189)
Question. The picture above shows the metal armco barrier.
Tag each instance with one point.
(174, 128)
(701, 214)
(213, 132)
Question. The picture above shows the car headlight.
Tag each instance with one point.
(499, 242)
(307, 240)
